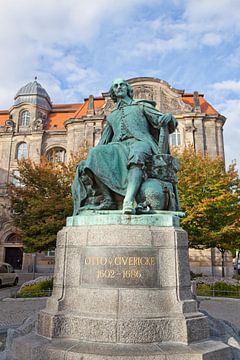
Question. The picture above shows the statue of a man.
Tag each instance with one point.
(118, 163)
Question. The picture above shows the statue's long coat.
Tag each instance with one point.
(108, 161)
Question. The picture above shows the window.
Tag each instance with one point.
(3, 269)
(13, 239)
(50, 253)
(56, 154)
(175, 138)
(24, 118)
(10, 269)
(22, 151)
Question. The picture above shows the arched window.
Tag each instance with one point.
(175, 138)
(22, 151)
(24, 118)
(13, 239)
(56, 154)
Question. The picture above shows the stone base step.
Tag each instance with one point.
(34, 347)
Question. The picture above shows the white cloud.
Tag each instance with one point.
(220, 16)
(74, 46)
(226, 98)
(234, 57)
(39, 38)
(46, 41)
(61, 20)
(231, 109)
(161, 46)
(226, 85)
(202, 23)
(211, 39)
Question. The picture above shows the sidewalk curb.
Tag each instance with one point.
(24, 299)
(217, 298)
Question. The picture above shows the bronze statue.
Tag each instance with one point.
(132, 160)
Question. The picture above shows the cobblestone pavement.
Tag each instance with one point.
(14, 311)
(8, 292)
(222, 308)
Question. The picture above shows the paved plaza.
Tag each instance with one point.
(14, 311)
(222, 308)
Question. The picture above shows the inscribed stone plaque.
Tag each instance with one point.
(119, 267)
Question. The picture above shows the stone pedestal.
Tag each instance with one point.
(121, 290)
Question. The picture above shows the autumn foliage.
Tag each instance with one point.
(209, 196)
(42, 201)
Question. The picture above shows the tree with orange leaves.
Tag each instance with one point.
(42, 200)
(209, 196)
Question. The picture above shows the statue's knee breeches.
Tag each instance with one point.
(139, 152)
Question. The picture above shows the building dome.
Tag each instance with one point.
(33, 93)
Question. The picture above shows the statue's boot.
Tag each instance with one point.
(107, 202)
(134, 181)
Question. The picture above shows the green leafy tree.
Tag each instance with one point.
(42, 201)
(209, 196)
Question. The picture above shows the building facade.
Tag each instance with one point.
(34, 126)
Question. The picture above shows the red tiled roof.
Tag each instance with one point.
(98, 104)
(205, 106)
(62, 112)
(67, 107)
(4, 115)
(56, 120)
(82, 110)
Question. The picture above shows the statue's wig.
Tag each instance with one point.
(129, 91)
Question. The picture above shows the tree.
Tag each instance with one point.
(209, 196)
(42, 201)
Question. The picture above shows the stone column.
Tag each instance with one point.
(75, 136)
(2, 252)
(199, 135)
(220, 143)
(6, 156)
(211, 137)
(35, 146)
(189, 131)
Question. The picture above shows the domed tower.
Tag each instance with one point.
(31, 107)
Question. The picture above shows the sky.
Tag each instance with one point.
(77, 47)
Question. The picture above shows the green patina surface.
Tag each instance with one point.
(132, 160)
(115, 217)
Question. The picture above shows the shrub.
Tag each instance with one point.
(204, 290)
(208, 286)
(194, 276)
(38, 289)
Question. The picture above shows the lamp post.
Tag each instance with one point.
(34, 264)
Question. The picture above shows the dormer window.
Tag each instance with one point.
(24, 118)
